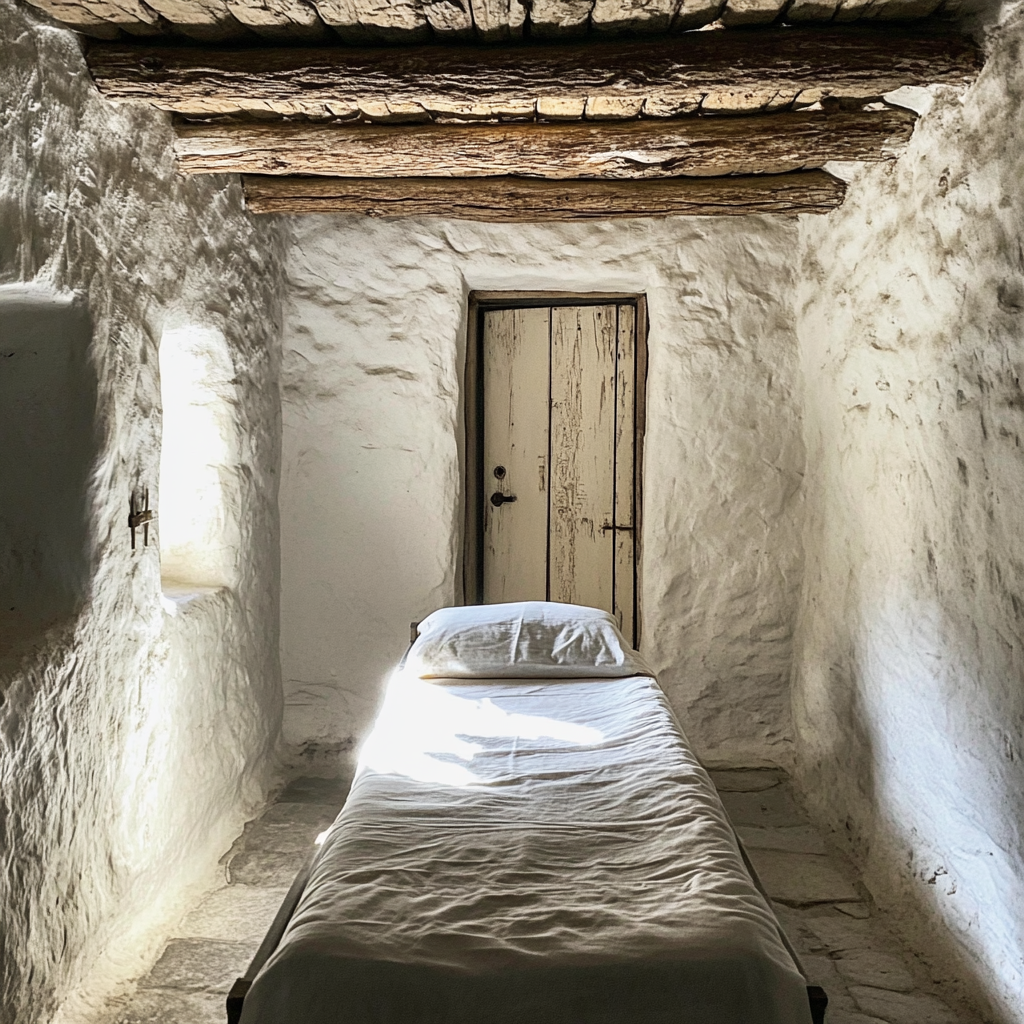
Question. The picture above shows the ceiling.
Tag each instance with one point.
(415, 21)
(361, 106)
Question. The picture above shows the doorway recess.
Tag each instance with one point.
(555, 386)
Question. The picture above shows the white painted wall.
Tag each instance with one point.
(370, 495)
(132, 741)
(909, 683)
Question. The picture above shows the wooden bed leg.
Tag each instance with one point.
(819, 1000)
(236, 997)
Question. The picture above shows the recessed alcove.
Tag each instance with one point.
(198, 461)
(47, 423)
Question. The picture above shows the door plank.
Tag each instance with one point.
(583, 343)
(516, 358)
(624, 573)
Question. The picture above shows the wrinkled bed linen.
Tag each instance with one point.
(541, 852)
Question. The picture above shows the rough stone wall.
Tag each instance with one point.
(908, 694)
(132, 740)
(370, 500)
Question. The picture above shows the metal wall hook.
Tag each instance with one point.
(140, 514)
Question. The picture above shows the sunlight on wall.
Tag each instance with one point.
(423, 730)
(198, 513)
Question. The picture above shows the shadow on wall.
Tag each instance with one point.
(48, 445)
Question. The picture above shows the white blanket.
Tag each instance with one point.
(529, 852)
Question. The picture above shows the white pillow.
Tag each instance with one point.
(530, 639)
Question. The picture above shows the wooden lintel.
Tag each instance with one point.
(523, 200)
(769, 69)
(700, 146)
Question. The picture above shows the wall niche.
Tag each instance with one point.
(199, 462)
(48, 447)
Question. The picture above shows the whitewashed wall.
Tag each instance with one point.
(909, 689)
(132, 741)
(370, 495)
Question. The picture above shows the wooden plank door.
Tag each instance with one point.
(516, 370)
(558, 456)
(582, 501)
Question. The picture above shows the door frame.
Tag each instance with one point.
(473, 383)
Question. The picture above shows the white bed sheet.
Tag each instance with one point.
(529, 852)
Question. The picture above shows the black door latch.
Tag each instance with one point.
(498, 499)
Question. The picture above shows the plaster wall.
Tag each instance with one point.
(371, 505)
(908, 695)
(134, 731)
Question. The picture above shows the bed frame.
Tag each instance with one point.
(816, 995)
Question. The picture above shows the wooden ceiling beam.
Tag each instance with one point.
(711, 72)
(626, 150)
(411, 21)
(516, 200)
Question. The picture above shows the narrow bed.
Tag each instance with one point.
(529, 839)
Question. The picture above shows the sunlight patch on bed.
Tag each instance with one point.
(423, 731)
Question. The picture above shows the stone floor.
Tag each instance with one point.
(842, 943)
(826, 913)
(216, 941)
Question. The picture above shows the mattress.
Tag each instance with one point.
(530, 851)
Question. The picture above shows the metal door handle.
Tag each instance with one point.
(498, 499)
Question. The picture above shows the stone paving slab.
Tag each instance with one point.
(266, 868)
(836, 931)
(876, 968)
(861, 911)
(301, 814)
(820, 970)
(232, 912)
(745, 780)
(770, 808)
(172, 1006)
(850, 1017)
(195, 965)
(798, 879)
(904, 1008)
(280, 837)
(313, 790)
(793, 838)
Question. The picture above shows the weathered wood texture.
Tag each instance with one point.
(104, 19)
(207, 21)
(516, 375)
(624, 564)
(719, 72)
(702, 146)
(282, 21)
(751, 12)
(581, 551)
(559, 434)
(376, 21)
(519, 199)
(411, 21)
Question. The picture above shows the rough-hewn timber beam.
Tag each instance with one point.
(519, 199)
(702, 146)
(712, 72)
(409, 21)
